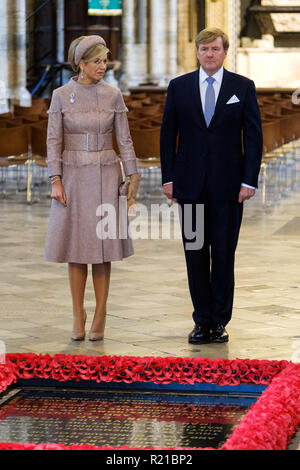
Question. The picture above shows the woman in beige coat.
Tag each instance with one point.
(86, 175)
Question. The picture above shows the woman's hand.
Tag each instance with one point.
(58, 193)
(133, 189)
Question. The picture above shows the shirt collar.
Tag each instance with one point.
(218, 76)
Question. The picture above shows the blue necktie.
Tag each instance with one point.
(210, 101)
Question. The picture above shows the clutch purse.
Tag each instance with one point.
(123, 188)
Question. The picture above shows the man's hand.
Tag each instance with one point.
(245, 193)
(168, 191)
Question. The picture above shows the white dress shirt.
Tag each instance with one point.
(203, 84)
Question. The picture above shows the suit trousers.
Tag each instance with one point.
(210, 268)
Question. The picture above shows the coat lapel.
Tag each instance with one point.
(224, 95)
(196, 99)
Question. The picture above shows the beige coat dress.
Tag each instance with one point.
(80, 149)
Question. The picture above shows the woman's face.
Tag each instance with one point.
(94, 70)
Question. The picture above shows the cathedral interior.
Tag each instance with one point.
(149, 309)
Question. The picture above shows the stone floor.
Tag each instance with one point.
(149, 308)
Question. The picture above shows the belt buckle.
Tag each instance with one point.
(87, 143)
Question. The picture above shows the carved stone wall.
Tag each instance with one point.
(264, 60)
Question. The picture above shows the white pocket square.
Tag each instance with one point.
(233, 99)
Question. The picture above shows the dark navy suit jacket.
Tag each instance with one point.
(218, 158)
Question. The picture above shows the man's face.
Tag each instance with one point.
(211, 56)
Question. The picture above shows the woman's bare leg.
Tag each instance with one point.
(101, 280)
(77, 277)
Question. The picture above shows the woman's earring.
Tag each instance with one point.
(82, 75)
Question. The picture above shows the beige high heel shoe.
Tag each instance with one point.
(96, 336)
(79, 337)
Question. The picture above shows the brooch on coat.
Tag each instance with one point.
(72, 98)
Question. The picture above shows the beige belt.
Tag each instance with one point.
(88, 142)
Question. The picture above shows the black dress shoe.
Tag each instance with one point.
(200, 335)
(219, 334)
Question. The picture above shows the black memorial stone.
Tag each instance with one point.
(117, 418)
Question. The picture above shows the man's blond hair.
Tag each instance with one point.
(209, 35)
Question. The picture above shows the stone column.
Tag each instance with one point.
(127, 41)
(134, 41)
(16, 54)
(3, 58)
(157, 41)
(60, 27)
(171, 38)
(162, 41)
(60, 38)
(233, 31)
(142, 21)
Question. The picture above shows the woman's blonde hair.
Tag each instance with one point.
(210, 34)
(95, 52)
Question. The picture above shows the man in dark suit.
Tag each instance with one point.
(211, 149)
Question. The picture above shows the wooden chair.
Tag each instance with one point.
(6, 116)
(31, 118)
(291, 105)
(294, 121)
(14, 143)
(147, 101)
(22, 111)
(285, 133)
(13, 152)
(139, 96)
(38, 141)
(158, 98)
(270, 108)
(146, 143)
(38, 163)
(271, 134)
(147, 148)
(38, 106)
(145, 123)
(15, 122)
(155, 121)
(135, 114)
(43, 115)
(140, 124)
(134, 104)
(150, 110)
